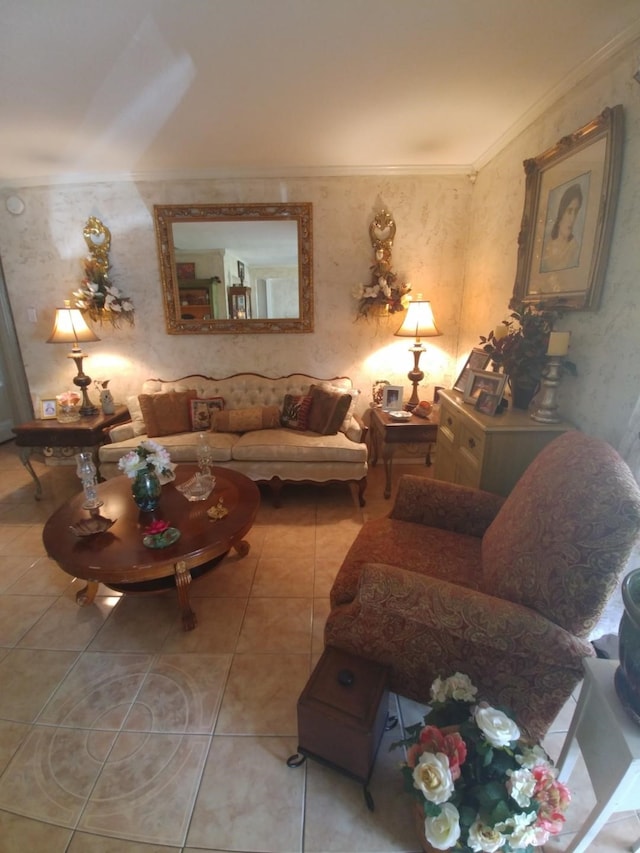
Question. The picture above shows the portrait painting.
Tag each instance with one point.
(565, 234)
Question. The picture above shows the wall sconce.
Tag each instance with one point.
(418, 323)
(69, 327)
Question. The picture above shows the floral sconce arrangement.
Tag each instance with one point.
(384, 295)
(97, 296)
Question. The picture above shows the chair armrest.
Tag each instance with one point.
(120, 432)
(471, 616)
(357, 429)
(435, 503)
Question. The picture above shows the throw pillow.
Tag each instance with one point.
(328, 410)
(295, 411)
(341, 389)
(202, 410)
(244, 420)
(166, 414)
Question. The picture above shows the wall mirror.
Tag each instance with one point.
(236, 268)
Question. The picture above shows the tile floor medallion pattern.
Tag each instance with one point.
(120, 733)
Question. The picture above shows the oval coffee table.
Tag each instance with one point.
(118, 559)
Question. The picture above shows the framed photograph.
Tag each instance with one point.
(186, 270)
(241, 271)
(478, 360)
(392, 398)
(483, 380)
(48, 408)
(487, 403)
(571, 192)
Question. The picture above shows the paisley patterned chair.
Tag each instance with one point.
(506, 590)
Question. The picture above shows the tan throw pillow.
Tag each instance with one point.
(166, 414)
(328, 410)
(245, 420)
(295, 411)
(202, 410)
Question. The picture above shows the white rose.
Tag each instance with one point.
(521, 786)
(443, 831)
(533, 756)
(485, 838)
(498, 729)
(432, 776)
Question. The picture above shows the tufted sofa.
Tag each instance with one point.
(506, 590)
(274, 454)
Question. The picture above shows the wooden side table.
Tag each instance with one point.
(86, 434)
(610, 744)
(387, 434)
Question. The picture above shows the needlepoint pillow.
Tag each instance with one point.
(202, 410)
(328, 410)
(166, 413)
(244, 420)
(295, 411)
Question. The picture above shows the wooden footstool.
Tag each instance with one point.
(342, 715)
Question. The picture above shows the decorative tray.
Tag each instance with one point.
(400, 416)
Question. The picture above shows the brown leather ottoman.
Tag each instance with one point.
(342, 714)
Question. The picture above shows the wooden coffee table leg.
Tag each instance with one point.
(242, 547)
(183, 579)
(86, 595)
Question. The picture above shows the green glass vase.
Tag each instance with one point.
(627, 678)
(146, 490)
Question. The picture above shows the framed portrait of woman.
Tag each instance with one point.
(570, 197)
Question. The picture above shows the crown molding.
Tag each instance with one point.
(233, 173)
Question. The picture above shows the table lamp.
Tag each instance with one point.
(69, 327)
(418, 323)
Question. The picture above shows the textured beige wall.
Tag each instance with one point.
(604, 344)
(42, 252)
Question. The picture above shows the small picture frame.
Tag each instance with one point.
(241, 272)
(487, 404)
(483, 380)
(477, 360)
(48, 408)
(392, 398)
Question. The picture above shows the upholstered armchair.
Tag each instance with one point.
(506, 590)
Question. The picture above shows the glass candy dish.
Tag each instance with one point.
(198, 487)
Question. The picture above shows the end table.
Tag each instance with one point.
(387, 433)
(86, 434)
(610, 744)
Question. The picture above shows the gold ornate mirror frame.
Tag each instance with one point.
(196, 322)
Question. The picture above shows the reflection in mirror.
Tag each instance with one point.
(236, 267)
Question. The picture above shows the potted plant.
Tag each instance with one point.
(519, 347)
(477, 785)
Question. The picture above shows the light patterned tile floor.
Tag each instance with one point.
(120, 733)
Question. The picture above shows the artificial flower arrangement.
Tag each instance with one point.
(100, 299)
(519, 345)
(148, 456)
(68, 399)
(478, 785)
(384, 292)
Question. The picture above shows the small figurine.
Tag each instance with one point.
(106, 397)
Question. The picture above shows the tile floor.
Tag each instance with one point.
(119, 733)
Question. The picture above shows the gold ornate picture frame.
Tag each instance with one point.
(570, 199)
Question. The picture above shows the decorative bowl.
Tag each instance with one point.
(198, 487)
(91, 526)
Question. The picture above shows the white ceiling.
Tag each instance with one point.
(114, 88)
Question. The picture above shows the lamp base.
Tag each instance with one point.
(83, 381)
(415, 376)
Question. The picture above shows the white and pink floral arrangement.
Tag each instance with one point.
(478, 786)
